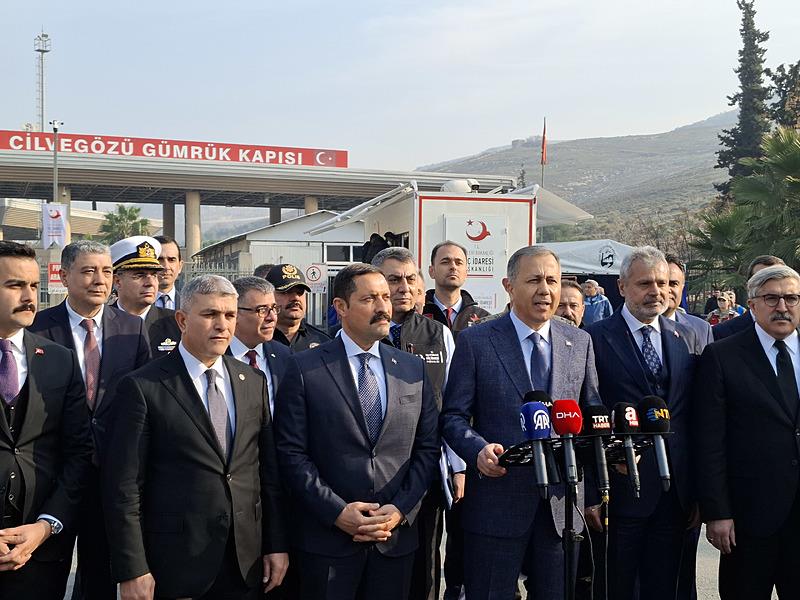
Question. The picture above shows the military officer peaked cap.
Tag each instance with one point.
(284, 277)
(136, 252)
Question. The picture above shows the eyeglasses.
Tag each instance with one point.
(262, 311)
(772, 300)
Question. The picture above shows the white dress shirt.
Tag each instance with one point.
(142, 316)
(169, 299)
(18, 352)
(197, 373)
(523, 331)
(456, 307)
(635, 326)
(79, 333)
(792, 344)
(238, 350)
(376, 366)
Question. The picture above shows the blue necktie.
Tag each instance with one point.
(649, 352)
(370, 397)
(394, 332)
(540, 363)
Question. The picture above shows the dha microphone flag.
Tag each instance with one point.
(655, 419)
(567, 421)
(534, 419)
(597, 423)
(626, 424)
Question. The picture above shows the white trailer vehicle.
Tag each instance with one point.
(491, 226)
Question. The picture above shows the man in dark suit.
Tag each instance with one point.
(677, 281)
(358, 447)
(746, 434)
(638, 353)
(136, 272)
(193, 501)
(508, 528)
(252, 342)
(45, 445)
(109, 344)
(745, 321)
(172, 263)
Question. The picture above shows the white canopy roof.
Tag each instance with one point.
(590, 257)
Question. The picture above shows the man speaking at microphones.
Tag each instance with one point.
(747, 434)
(640, 353)
(498, 363)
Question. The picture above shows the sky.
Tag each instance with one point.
(398, 84)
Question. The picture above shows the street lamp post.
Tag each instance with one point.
(56, 125)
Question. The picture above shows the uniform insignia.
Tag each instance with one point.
(313, 345)
(241, 376)
(290, 272)
(145, 250)
(38, 352)
(168, 345)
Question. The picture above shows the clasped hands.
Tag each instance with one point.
(18, 543)
(369, 521)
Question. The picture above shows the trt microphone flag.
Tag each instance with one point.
(544, 143)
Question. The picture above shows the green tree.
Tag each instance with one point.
(124, 222)
(785, 108)
(744, 139)
(770, 197)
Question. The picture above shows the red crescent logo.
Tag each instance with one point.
(54, 214)
(484, 233)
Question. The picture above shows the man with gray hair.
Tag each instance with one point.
(596, 306)
(194, 504)
(109, 344)
(639, 353)
(746, 436)
(507, 528)
(255, 325)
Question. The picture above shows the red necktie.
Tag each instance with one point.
(251, 357)
(91, 361)
(450, 312)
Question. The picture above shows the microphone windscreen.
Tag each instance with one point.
(654, 414)
(596, 420)
(534, 419)
(566, 417)
(539, 396)
(625, 418)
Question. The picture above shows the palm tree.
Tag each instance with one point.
(771, 194)
(125, 222)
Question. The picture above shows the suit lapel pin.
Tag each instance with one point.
(241, 376)
(676, 334)
(568, 343)
(394, 362)
(272, 355)
(38, 352)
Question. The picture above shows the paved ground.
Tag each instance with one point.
(707, 560)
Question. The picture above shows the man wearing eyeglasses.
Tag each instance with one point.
(747, 441)
(136, 273)
(255, 325)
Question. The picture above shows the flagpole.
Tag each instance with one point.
(544, 148)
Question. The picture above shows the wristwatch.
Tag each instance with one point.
(55, 526)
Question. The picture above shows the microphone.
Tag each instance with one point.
(535, 422)
(655, 420)
(567, 421)
(553, 475)
(597, 423)
(626, 424)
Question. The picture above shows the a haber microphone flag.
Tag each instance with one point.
(544, 143)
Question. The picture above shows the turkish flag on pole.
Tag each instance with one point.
(544, 143)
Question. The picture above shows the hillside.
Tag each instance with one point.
(629, 175)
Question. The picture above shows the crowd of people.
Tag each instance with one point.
(211, 443)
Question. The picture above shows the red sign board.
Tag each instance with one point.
(108, 145)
